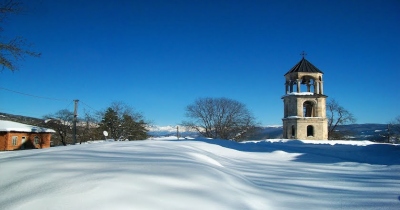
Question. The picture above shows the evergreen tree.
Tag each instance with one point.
(121, 122)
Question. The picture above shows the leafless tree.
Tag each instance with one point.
(87, 129)
(394, 129)
(14, 49)
(337, 115)
(61, 122)
(220, 118)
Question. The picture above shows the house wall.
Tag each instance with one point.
(7, 144)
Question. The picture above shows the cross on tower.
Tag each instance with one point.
(303, 54)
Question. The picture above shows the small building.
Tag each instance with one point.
(15, 136)
(304, 109)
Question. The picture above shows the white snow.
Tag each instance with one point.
(299, 94)
(169, 128)
(8, 126)
(301, 117)
(273, 126)
(203, 174)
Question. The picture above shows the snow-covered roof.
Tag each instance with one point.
(8, 126)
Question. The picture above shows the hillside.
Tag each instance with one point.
(370, 131)
(20, 119)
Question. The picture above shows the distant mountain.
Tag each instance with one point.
(171, 130)
(268, 132)
(21, 119)
(370, 131)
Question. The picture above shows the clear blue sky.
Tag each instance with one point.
(159, 56)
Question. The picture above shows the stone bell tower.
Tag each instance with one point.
(304, 103)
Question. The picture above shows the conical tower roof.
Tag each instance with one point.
(304, 66)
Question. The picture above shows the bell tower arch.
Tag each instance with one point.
(304, 102)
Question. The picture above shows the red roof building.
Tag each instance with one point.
(15, 136)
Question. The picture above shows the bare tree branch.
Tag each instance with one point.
(337, 115)
(17, 48)
(220, 118)
(61, 122)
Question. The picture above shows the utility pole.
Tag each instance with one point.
(75, 119)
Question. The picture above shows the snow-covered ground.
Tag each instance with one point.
(203, 174)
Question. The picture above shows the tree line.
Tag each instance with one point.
(119, 121)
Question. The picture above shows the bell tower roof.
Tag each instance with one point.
(304, 66)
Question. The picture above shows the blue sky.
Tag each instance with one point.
(159, 56)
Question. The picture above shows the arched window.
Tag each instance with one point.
(310, 130)
(293, 131)
(308, 109)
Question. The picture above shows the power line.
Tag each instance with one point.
(69, 104)
(88, 106)
(47, 98)
(31, 95)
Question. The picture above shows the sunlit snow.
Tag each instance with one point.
(203, 174)
(8, 126)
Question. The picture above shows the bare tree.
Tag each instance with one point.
(14, 49)
(394, 130)
(220, 118)
(61, 122)
(88, 128)
(337, 115)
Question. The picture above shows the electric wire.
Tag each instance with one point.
(89, 106)
(31, 95)
(48, 98)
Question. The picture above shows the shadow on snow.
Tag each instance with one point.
(377, 154)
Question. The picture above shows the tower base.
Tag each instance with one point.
(305, 128)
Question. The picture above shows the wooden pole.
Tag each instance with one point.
(75, 119)
(177, 132)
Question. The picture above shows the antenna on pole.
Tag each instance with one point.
(75, 119)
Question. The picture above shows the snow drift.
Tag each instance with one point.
(203, 174)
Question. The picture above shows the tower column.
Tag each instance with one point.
(315, 86)
(286, 87)
(321, 88)
(298, 85)
(291, 85)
